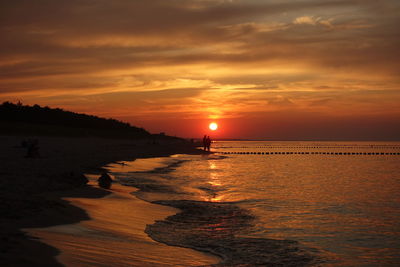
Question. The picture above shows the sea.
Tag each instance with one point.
(278, 203)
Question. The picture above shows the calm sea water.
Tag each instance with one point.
(347, 206)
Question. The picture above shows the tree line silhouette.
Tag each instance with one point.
(25, 119)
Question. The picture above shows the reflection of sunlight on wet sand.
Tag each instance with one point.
(115, 235)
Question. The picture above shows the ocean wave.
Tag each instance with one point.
(220, 229)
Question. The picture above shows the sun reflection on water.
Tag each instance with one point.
(215, 183)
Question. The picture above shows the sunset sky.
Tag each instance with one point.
(271, 69)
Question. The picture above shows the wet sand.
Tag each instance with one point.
(114, 236)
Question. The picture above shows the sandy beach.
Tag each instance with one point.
(114, 235)
(68, 223)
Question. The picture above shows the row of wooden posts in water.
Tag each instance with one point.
(324, 147)
(310, 153)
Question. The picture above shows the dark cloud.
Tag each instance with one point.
(112, 32)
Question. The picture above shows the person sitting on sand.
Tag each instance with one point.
(32, 148)
(105, 181)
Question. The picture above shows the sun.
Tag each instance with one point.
(213, 126)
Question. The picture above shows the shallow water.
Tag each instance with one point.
(340, 209)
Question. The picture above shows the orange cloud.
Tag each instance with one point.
(142, 60)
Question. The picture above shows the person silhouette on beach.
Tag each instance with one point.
(208, 143)
(32, 148)
(205, 142)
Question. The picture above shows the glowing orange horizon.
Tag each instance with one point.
(255, 76)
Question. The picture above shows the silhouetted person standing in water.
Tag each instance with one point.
(205, 142)
(208, 143)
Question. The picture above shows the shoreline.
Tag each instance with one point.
(216, 228)
(115, 233)
(26, 182)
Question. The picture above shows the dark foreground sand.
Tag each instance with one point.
(32, 196)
